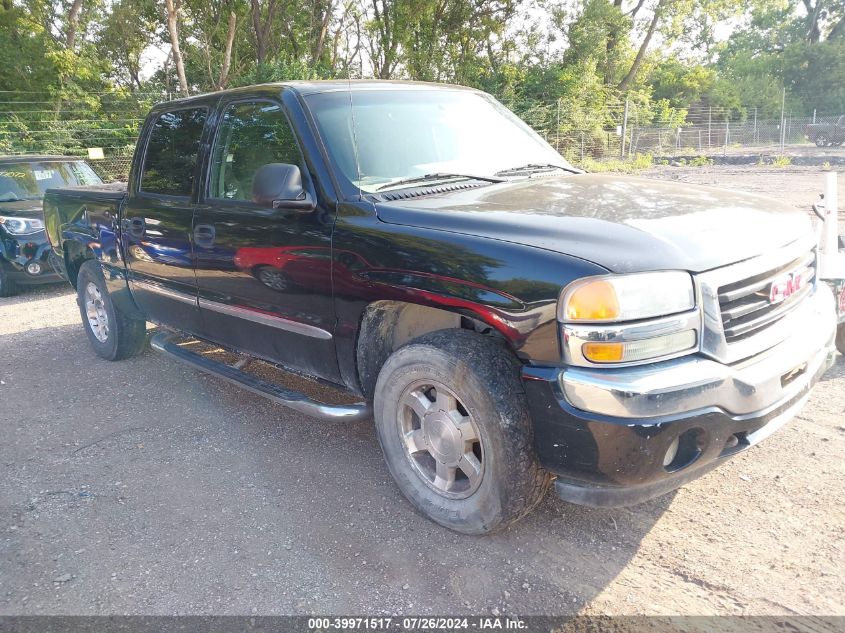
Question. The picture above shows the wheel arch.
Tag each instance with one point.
(388, 325)
(75, 254)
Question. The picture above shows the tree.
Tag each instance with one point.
(173, 29)
(628, 79)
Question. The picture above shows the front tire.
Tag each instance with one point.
(273, 278)
(840, 338)
(453, 423)
(112, 334)
(821, 140)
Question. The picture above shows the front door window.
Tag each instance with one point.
(250, 135)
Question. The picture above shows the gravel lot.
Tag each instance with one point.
(145, 487)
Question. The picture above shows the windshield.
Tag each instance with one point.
(403, 134)
(29, 181)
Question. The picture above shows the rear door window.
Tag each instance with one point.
(170, 163)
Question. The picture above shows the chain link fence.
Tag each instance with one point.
(624, 131)
(583, 131)
(40, 123)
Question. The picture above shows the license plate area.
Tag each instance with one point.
(793, 374)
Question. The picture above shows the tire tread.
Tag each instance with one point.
(497, 367)
(131, 333)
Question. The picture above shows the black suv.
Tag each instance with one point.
(24, 249)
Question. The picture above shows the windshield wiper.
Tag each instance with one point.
(534, 167)
(439, 176)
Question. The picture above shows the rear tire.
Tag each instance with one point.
(113, 335)
(840, 339)
(821, 140)
(8, 288)
(453, 423)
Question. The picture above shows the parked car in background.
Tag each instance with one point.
(507, 319)
(827, 134)
(24, 249)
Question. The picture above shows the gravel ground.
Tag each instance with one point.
(145, 487)
(797, 185)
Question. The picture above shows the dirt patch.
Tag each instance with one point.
(799, 186)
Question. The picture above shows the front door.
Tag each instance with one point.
(157, 220)
(263, 274)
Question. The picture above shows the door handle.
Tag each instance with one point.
(204, 235)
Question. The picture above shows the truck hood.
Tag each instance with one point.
(22, 209)
(624, 224)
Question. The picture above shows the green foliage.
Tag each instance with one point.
(561, 71)
(701, 161)
(638, 163)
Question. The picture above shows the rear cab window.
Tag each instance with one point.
(170, 161)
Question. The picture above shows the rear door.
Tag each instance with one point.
(263, 274)
(156, 226)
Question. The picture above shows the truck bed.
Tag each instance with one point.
(82, 214)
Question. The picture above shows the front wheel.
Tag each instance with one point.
(453, 423)
(822, 140)
(840, 338)
(113, 335)
(273, 278)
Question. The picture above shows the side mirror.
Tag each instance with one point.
(279, 185)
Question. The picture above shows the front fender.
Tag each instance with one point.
(512, 288)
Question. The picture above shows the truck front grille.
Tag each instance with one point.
(746, 307)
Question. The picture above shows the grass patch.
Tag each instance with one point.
(638, 163)
(701, 161)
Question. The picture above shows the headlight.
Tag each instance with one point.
(21, 226)
(616, 320)
(627, 297)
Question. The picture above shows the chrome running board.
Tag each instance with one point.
(165, 342)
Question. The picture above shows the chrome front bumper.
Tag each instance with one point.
(676, 387)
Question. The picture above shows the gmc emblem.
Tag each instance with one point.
(783, 288)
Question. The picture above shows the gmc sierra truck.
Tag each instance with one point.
(509, 321)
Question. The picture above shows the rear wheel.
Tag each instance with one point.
(7, 286)
(821, 140)
(113, 335)
(840, 339)
(453, 423)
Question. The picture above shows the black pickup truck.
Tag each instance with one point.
(508, 320)
(826, 134)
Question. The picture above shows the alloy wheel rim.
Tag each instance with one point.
(273, 279)
(441, 440)
(95, 311)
